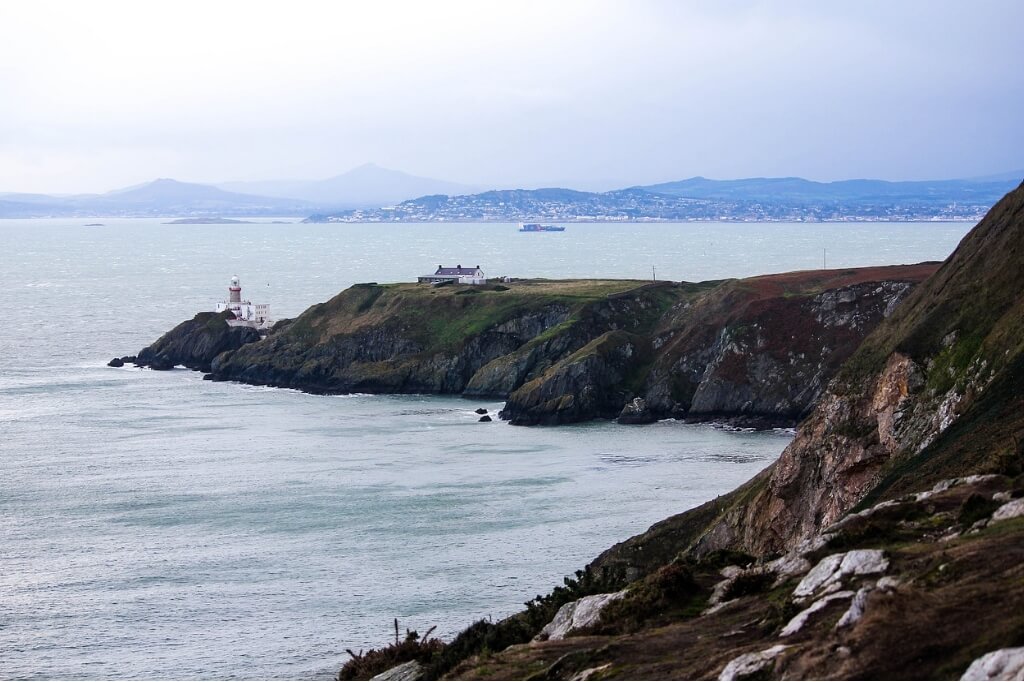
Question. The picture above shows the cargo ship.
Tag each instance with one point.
(537, 227)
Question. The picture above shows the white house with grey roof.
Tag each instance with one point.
(456, 275)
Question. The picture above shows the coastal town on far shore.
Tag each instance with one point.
(642, 206)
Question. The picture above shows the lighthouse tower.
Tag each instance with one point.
(235, 291)
(247, 314)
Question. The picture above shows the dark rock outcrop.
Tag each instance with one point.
(592, 382)
(755, 352)
(196, 343)
(636, 412)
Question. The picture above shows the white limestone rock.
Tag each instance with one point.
(1002, 664)
(813, 544)
(849, 518)
(578, 614)
(411, 670)
(888, 583)
(743, 667)
(857, 607)
(590, 672)
(828, 575)
(942, 486)
(864, 562)
(797, 623)
(818, 576)
(788, 566)
(1010, 510)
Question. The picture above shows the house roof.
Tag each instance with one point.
(458, 270)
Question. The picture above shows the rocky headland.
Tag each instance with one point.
(193, 344)
(756, 352)
(886, 542)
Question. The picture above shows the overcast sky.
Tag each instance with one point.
(97, 95)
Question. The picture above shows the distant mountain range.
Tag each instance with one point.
(368, 186)
(796, 190)
(163, 197)
(373, 194)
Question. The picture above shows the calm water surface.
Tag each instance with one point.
(158, 526)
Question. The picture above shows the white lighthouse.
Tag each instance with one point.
(247, 313)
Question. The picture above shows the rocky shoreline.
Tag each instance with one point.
(754, 352)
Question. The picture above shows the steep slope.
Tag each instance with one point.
(915, 376)
(932, 393)
(885, 543)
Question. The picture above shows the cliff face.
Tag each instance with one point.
(933, 393)
(956, 338)
(758, 350)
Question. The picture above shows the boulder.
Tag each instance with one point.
(410, 670)
(856, 610)
(1002, 664)
(748, 665)
(636, 412)
(481, 410)
(578, 614)
(830, 571)
(485, 418)
(798, 621)
(116, 362)
(1010, 510)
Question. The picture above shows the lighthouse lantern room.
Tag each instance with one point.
(247, 313)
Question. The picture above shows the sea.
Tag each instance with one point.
(156, 526)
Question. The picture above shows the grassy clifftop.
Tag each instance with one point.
(571, 350)
(446, 316)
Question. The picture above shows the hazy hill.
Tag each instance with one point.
(985, 190)
(366, 186)
(162, 197)
(166, 195)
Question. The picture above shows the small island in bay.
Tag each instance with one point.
(208, 221)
